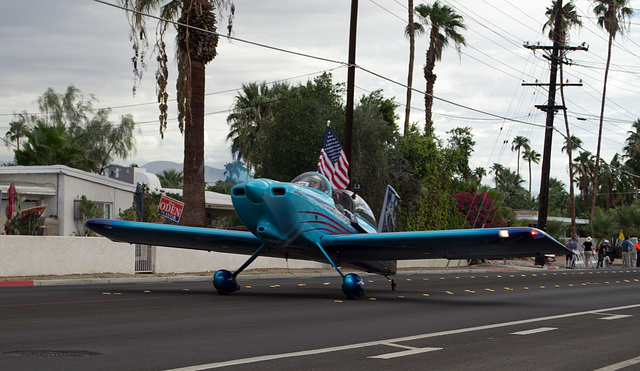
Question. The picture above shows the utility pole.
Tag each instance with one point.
(543, 197)
(351, 76)
(550, 108)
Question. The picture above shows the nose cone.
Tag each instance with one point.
(256, 190)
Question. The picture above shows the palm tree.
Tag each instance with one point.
(613, 17)
(251, 108)
(496, 169)
(479, 173)
(53, 145)
(518, 144)
(510, 182)
(171, 178)
(584, 166)
(632, 153)
(18, 129)
(444, 23)
(531, 155)
(195, 47)
(410, 33)
(569, 19)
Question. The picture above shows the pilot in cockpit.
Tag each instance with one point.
(313, 180)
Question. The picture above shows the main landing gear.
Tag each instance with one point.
(225, 281)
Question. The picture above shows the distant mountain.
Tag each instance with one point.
(211, 174)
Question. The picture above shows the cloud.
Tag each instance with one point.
(54, 43)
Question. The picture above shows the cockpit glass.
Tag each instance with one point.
(348, 200)
(313, 180)
(363, 209)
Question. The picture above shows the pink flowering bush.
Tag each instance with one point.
(480, 210)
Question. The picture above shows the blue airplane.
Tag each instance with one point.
(305, 219)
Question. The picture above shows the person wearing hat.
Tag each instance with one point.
(587, 245)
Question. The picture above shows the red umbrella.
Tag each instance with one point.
(11, 197)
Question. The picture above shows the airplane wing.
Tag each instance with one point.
(208, 239)
(450, 244)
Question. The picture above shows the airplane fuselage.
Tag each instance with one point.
(293, 218)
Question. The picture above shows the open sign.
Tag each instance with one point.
(170, 208)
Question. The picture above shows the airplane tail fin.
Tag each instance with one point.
(388, 221)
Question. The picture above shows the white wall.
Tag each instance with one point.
(170, 260)
(62, 255)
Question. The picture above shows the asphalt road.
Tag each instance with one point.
(511, 320)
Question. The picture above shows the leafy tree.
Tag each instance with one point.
(613, 17)
(171, 178)
(424, 184)
(602, 226)
(196, 47)
(445, 26)
(374, 135)
(68, 122)
(289, 143)
(627, 219)
(458, 152)
(107, 141)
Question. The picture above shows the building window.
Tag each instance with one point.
(86, 209)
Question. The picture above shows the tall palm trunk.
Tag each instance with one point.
(604, 93)
(412, 49)
(572, 199)
(530, 180)
(430, 77)
(193, 191)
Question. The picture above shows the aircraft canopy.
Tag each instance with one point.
(313, 180)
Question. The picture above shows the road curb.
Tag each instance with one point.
(178, 279)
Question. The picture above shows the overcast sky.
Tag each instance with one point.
(55, 43)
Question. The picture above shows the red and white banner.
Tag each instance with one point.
(170, 208)
(38, 211)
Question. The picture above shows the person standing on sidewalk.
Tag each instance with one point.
(626, 246)
(602, 253)
(587, 245)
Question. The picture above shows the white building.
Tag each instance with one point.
(61, 188)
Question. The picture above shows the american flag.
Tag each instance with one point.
(333, 162)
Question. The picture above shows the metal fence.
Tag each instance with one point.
(144, 258)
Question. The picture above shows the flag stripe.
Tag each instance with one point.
(333, 162)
